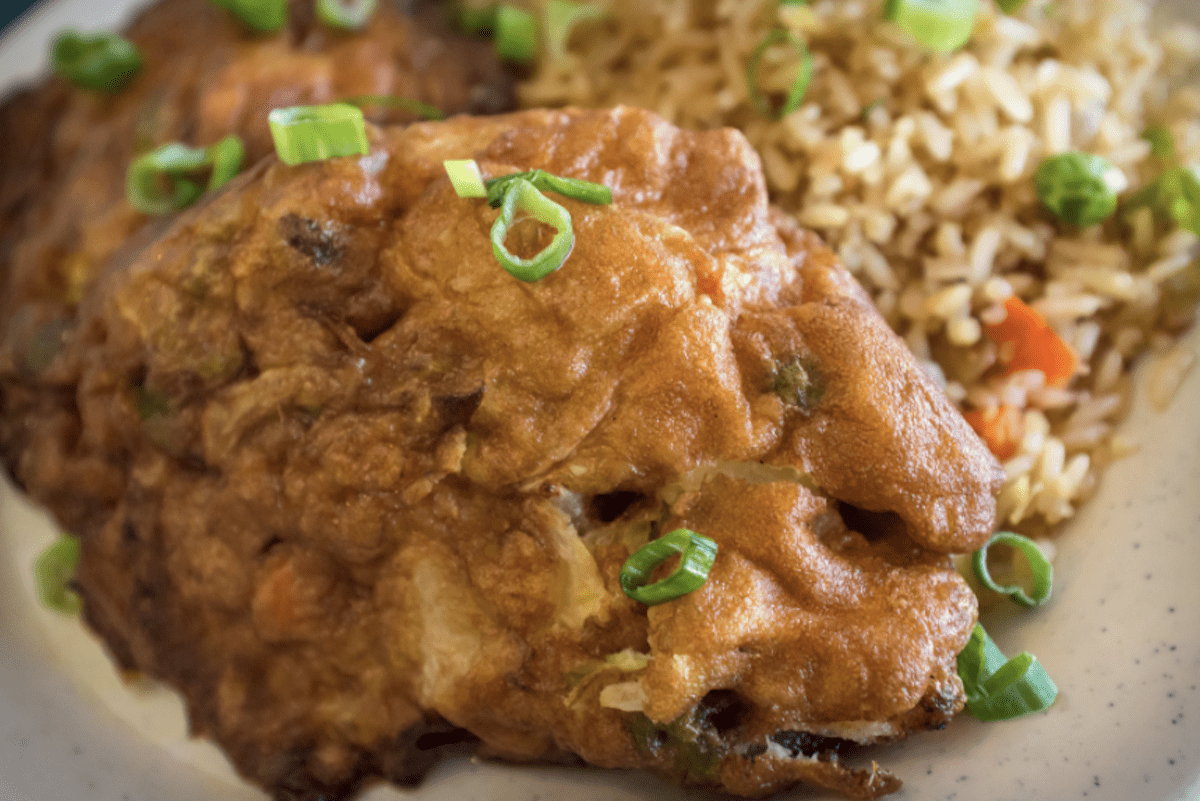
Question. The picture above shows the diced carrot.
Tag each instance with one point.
(1035, 345)
(1001, 428)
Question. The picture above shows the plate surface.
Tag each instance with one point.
(1121, 637)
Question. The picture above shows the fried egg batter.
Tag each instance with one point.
(356, 492)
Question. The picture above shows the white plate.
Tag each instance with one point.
(1121, 637)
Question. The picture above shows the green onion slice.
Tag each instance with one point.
(226, 157)
(519, 192)
(423, 110)
(574, 188)
(1183, 199)
(940, 25)
(258, 15)
(516, 34)
(1039, 566)
(1010, 6)
(799, 87)
(1179, 198)
(1078, 188)
(999, 688)
(476, 18)
(1162, 143)
(524, 197)
(53, 573)
(103, 62)
(561, 18)
(980, 659)
(313, 133)
(465, 177)
(350, 15)
(168, 178)
(698, 554)
(1175, 194)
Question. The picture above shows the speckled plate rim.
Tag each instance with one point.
(1121, 637)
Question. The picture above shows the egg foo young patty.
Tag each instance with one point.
(65, 150)
(355, 491)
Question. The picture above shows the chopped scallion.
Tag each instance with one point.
(313, 133)
(574, 188)
(522, 196)
(465, 177)
(1183, 205)
(519, 192)
(351, 15)
(697, 556)
(258, 15)
(561, 18)
(516, 34)
(103, 62)
(168, 178)
(999, 688)
(798, 382)
(1039, 566)
(1079, 188)
(940, 25)
(1010, 6)
(476, 18)
(53, 573)
(799, 85)
(424, 110)
(226, 158)
(1162, 143)
(1174, 195)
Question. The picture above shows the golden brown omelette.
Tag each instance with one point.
(358, 493)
